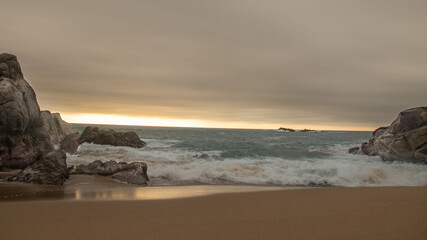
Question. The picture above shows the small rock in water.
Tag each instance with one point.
(354, 150)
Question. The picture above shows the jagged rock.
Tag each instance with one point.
(50, 168)
(25, 131)
(111, 137)
(405, 139)
(134, 173)
(70, 144)
(55, 127)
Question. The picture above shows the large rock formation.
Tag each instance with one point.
(49, 168)
(111, 137)
(405, 139)
(25, 131)
(134, 173)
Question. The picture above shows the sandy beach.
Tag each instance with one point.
(315, 213)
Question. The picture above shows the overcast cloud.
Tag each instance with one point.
(343, 64)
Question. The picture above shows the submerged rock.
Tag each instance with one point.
(134, 173)
(354, 150)
(111, 137)
(25, 131)
(50, 168)
(405, 139)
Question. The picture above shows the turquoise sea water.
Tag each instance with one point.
(187, 156)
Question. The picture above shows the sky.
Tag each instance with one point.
(329, 64)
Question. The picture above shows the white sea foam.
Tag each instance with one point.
(169, 165)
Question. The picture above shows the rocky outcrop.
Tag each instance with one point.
(111, 137)
(49, 168)
(134, 173)
(25, 131)
(405, 139)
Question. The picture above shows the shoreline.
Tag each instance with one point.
(315, 213)
(104, 188)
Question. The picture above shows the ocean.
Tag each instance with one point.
(192, 156)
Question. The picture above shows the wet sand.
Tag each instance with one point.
(316, 213)
(95, 188)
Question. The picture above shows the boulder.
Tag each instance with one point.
(25, 131)
(49, 168)
(405, 139)
(134, 173)
(111, 137)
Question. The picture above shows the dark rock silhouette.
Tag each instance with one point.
(286, 129)
(307, 130)
(405, 139)
(50, 168)
(134, 173)
(111, 137)
(25, 131)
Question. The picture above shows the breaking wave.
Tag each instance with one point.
(309, 160)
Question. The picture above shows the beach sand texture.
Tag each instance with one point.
(319, 213)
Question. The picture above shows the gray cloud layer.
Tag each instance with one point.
(338, 63)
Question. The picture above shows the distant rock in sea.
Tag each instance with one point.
(286, 129)
(404, 140)
(25, 131)
(282, 129)
(111, 137)
(307, 130)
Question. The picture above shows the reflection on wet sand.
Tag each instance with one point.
(87, 188)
